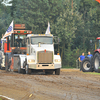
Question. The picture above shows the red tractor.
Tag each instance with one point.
(89, 65)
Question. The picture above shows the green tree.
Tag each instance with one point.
(36, 14)
(5, 18)
(91, 16)
(67, 24)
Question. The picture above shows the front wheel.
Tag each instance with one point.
(57, 71)
(86, 65)
(28, 71)
(96, 62)
(2, 68)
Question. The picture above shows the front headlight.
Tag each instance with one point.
(31, 61)
(57, 60)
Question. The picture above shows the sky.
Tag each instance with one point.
(6, 2)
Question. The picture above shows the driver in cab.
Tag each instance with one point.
(18, 40)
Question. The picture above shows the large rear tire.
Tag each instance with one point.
(57, 71)
(96, 62)
(86, 65)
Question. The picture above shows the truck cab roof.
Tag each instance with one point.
(29, 35)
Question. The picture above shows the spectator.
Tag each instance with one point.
(89, 55)
(19, 39)
(81, 57)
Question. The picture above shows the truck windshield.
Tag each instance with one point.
(42, 40)
(19, 40)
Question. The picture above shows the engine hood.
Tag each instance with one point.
(43, 47)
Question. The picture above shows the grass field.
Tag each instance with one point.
(2, 98)
(75, 69)
(94, 73)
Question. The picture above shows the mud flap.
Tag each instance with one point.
(14, 63)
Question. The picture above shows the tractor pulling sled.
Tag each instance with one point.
(93, 63)
(35, 52)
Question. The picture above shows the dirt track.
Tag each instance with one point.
(70, 85)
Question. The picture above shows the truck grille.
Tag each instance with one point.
(45, 57)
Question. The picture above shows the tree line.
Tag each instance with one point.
(75, 22)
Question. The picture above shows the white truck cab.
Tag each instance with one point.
(40, 54)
